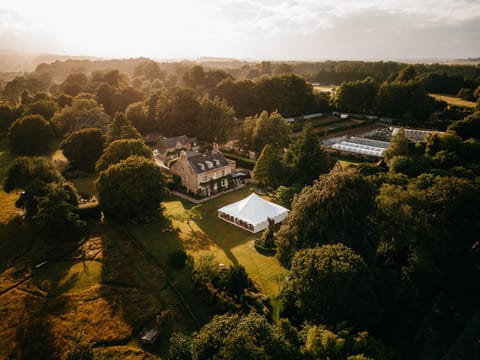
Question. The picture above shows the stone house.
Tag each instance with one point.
(204, 174)
(170, 148)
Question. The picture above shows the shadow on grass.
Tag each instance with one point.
(34, 334)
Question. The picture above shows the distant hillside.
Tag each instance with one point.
(13, 61)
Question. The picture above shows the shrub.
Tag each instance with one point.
(177, 259)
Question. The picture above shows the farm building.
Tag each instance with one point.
(252, 213)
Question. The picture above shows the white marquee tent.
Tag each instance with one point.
(252, 213)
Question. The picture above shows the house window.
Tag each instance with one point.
(224, 183)
(223, 172)
(205, 178)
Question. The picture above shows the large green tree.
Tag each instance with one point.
(176, 112)
(215, 119)
(131, 189)
(30, 135)
(234, 337)
(306, 160)
(334, 209)
(50, 204)
(357, 96)
(328, 285)
(268, 168)
(8, 114)
(83, 113)
(119, 150)
(45, 107)
(122, 128)
(83, 148)
(264, 129)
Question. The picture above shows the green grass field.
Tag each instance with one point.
(452, 100)
(209, 235)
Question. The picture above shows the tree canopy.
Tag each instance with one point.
(119, 150)
(333, 210)
(83, 148)
(234, 337)
(131, 189)
(30, 135)
(330, 284)
(83, 113)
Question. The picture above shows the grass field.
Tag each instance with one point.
(104, 293)
(452, 100)
(323, 88)
(209, 235)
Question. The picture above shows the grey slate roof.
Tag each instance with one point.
(195, 159)
(172, 142)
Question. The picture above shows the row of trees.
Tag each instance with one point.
(402, 98)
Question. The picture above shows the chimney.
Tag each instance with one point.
(215, 148)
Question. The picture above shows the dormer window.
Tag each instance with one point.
(209, 164)
(201, 166)
(217, 162)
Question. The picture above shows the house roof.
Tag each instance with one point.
(167, 143)
(253, 209)
(201, 163)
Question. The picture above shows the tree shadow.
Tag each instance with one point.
(34, 336)
(134, 287)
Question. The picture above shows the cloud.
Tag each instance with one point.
(284, 29)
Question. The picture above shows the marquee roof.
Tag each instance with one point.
(253, 209)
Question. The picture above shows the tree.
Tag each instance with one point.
(136, 114)
(119, 150)
(215, 119)
(322, 343)
(334, 209)
(306, 160)
(83, 113)
(176, 112)
(330, 284)
(266, 129)
(468, 127)
(399, 145)
(122, 128)
(74, 83)
(57, 211)
(234, 337)
(44, 107)
(30, 135)
(8, 114)
(405, 99)
(131, 189)
(149, 69)
(235, 281)
(357, 96)
(49, 203)
(267, 170)
(189, 215)
(83, 148)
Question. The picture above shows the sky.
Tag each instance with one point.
(244, 29)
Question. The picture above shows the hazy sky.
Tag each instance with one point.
(257, 29)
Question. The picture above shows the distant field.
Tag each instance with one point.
(452, 100)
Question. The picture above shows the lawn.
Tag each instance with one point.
(452, 100)
(209, 235)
